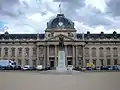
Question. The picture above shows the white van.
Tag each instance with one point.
(39, 67)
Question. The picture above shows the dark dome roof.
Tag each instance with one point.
(60, 22)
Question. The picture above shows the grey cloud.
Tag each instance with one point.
(113, 7)
(93, 17)
(73, 3)
(10, 8)
(88, 15)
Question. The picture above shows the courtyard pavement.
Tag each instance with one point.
(15, 80)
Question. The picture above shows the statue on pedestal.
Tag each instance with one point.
(61, 42)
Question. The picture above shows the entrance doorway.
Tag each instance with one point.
(51, 64)
(70, 62)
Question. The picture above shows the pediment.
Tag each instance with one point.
(57, 38)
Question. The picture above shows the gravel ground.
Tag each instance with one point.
(56, 81)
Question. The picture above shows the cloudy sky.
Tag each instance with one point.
(30, 16)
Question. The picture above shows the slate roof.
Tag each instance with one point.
(54, 23)
(21, 36)
(42, 36)
(98, 36)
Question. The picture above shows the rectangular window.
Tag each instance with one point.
(86, 52)
(101, 61)
(86, 61)
(41, 60)
(101, 53)
(115, 53)
(13, 52)
(34, 51)
(26, 62)
(34, 62)
(94, 62)
(19, 62)
(115, 61)
(27, 52)
(108, 52)
(6, 51)
(20, 52)
(108, 62)
(93, 52)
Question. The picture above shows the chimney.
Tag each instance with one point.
(83, 35)
(37, 36)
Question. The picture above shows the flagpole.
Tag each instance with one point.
(60, 8)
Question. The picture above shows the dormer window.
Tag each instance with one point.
(52, 34)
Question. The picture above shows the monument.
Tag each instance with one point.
(61, 56)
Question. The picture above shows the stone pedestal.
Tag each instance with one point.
(61, 61)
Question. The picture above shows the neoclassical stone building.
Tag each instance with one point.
(42, 49)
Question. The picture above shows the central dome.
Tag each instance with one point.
(60, 22)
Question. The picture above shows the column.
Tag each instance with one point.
(38, 61)
(73, 56)
(66, 55)
(45, 56)
(90, 54)
(23, 57)
(97, 54)
(2, 52)
(56, 56)
(105, 59)
(9, 53)
(48, 62)
(76, 55)
(83, 55)
(30, 56)
(118, 62)
(112, 56)
(16, 55)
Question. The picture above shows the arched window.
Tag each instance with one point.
(108, 52)
(86, 52)
(13, 51)
(34, 51)
(115, 52)
(52, 50)
(69, 50)
(6, 51)
(20, 52)
(101, 53)
(93, 52)
(27, 52)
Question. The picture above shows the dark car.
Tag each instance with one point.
(32, 68)
(76, 68)
(17, 68)
(47, 68)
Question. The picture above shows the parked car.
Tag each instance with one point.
(47, 68)
(89, 68)
(115, 68)
(17, 68)
(83, 68)
(32, 68)
(26, 67)
(98, 68)
(70, 67)
(77, 68)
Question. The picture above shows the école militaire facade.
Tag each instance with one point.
(42, 49)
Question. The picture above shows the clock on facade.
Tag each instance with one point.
(60, 24)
